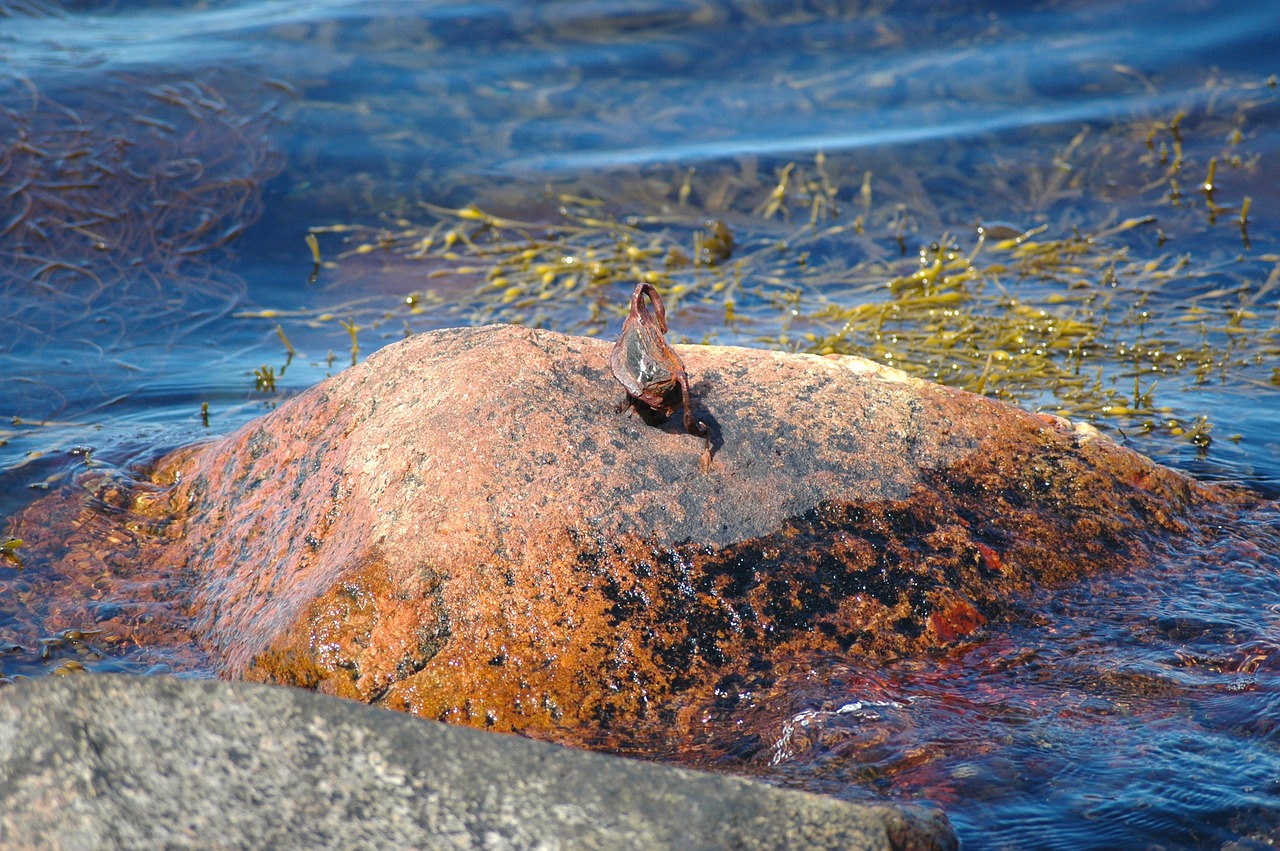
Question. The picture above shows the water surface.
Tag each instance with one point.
(163, 164)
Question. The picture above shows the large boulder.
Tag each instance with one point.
(468, 527)
(123, 762)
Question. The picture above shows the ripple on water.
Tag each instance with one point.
(1125, 711)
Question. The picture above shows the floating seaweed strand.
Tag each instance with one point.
(115, 207)
(109, 211)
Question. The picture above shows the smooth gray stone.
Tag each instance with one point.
(101, 761)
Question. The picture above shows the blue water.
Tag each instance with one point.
(229, 129)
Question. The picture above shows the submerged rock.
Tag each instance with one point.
(466, 527)
(124, 762)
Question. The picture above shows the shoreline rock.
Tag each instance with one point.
(134, 762)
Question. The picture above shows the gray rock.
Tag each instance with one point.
(110, 761)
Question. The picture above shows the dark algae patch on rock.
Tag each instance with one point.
(429, 532)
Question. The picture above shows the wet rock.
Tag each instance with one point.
(123, 762)
(467, 527)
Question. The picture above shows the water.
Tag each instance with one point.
(1131, 712)
(163, 165)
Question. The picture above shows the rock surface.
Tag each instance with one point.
(124, 762)
(468, 528)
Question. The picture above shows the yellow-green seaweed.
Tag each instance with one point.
(1086, 309)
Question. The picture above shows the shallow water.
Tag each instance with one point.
(164, 164)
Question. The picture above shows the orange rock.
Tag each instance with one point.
(466, 527)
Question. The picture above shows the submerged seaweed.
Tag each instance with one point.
(118, 203)
(1085, 307)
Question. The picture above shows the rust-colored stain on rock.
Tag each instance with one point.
(465, 527)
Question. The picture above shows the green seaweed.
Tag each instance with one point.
(265, 379)
(9, 551)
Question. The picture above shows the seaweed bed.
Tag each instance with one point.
(1081, 309)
